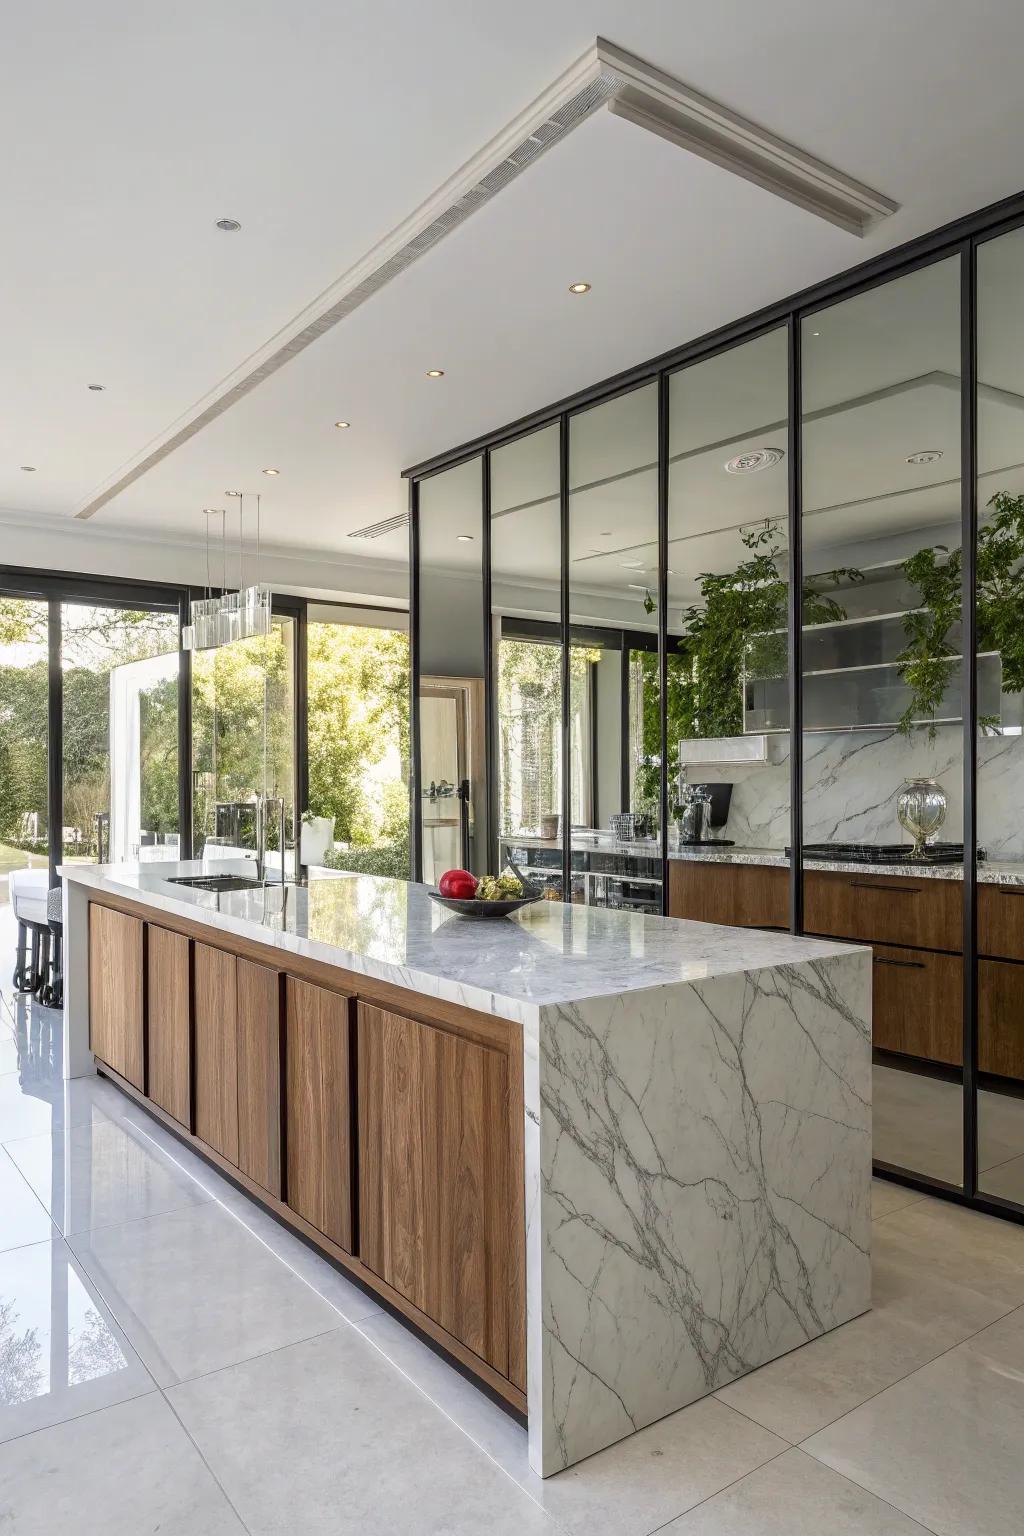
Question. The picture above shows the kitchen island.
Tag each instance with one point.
(609, 1162)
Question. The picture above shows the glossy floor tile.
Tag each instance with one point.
(61, 1352)
(125, 1471)
(945, 1445)
(194, 1291)
(323, 1437)
(887, 1197)
(23, 1218)
(627, 1490)
(101, 1174)
(794, 1495)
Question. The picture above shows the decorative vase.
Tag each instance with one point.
(316, 840)
(921, 808)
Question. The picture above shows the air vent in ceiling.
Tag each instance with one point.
(377, 530)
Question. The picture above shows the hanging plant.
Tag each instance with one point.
(929, 660)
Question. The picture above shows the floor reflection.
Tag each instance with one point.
(918, 1125)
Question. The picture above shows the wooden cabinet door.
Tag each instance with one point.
(917, 1004)
(116, 1031)
(434, 1175)
(737, 895)
(168, 1009)
(258, 993)
(318, 1109)
(216, 1049)
(885, 909)
(1001, 1017)
(1001, 921)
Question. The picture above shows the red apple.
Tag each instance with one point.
(457, 883)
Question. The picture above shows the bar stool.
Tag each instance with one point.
(28, 890)
(52, 992)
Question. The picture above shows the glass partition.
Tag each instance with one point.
(883, 686)
(728, 591)
(527, 654)
(452, 767)
(1000, 747)
(24, 721)
(615, 699)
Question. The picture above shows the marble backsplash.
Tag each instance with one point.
(850, 784)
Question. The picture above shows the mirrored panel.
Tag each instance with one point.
(452, 767)
(1000, 674)
(728, 677)
(883, 687)
(527, 655)
(615, 700)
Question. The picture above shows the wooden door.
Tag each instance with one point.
(116, 1030)
(258, 990)
(434, 1175)
(917, 1003)
(318, 1109)
(1001, 1018)
(216, 1050)
(737, 895)
(168, 1009)
(885, 909)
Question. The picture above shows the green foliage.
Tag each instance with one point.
(1000, 588)
(387, 858)
(928, 661)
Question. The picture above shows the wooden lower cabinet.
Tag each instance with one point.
(884, 909)
(917, 1004)
(216, 1050)
(736, 895)
(435, 1181)
(260, 1076)
(1001, 921)
(319, 1109)
(168, 1006)
(116, 992)
(1001, 1018)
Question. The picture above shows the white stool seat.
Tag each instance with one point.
(28, 890)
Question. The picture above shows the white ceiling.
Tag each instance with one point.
(133, 128)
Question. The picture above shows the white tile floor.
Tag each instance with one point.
(171, 1360)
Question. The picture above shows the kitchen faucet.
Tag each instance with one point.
(263, 804)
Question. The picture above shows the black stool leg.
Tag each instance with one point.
(42, 961)
(21, 970)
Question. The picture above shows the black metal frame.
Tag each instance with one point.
(957, 239)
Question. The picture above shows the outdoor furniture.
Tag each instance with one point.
(52, 992)
(28, 890)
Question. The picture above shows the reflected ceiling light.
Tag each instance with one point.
(228, 225)
(815, 333)
(97, 389)
(232, 493)
(632, 565)
(271, 471)
(757, 458)
(29, 469)
(464, 538)
(435, 373)
(342, 423)
(925, 456)
(579, 287)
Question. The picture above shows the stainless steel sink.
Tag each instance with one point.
(217, 882)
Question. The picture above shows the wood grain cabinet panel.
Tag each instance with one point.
(318, 1109)
(917, 1003)
(216, 1051)
(258, 993)
(435, 1176)
(168, 1008)
(1001, 921)
(737, 895)
(1001, 1018)
(116, 1022)
(885, 909)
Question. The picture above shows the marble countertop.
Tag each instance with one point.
(551, 953)
(990, 872)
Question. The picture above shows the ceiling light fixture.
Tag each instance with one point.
(579, 287)
(342, 423)
(97, 389)
(29, 469)
(232, 493)
(464, 538)
(815, 333)
(228, 225)
(925, 456)
(756, 458)
(435, 373)
(271, 471)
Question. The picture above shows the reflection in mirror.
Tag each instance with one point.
(615, 738)
(1000, 793)
(525, 635)
(452, 774)
(882, 686)
(728, 701)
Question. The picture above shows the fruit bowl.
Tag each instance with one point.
(476, 906)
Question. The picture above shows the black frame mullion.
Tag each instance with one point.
(663, 474)
(794, 620)
(969, 695)
(54, 738)
(566, 672)
(490, 769)
(415, 831)
(185, 780)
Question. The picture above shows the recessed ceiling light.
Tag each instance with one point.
(29, 469)
(342, 423)
(925, 456)
(815, 333)
(228, 225)
(579, 287)
(757, 458)
(232, 493)
(271, 471)
(464, 538)
(632, 565)
(607, 534)
(97, 389)
(435, 373)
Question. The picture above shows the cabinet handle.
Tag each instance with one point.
(894, 890)
(908, 965)
(1011, 890)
